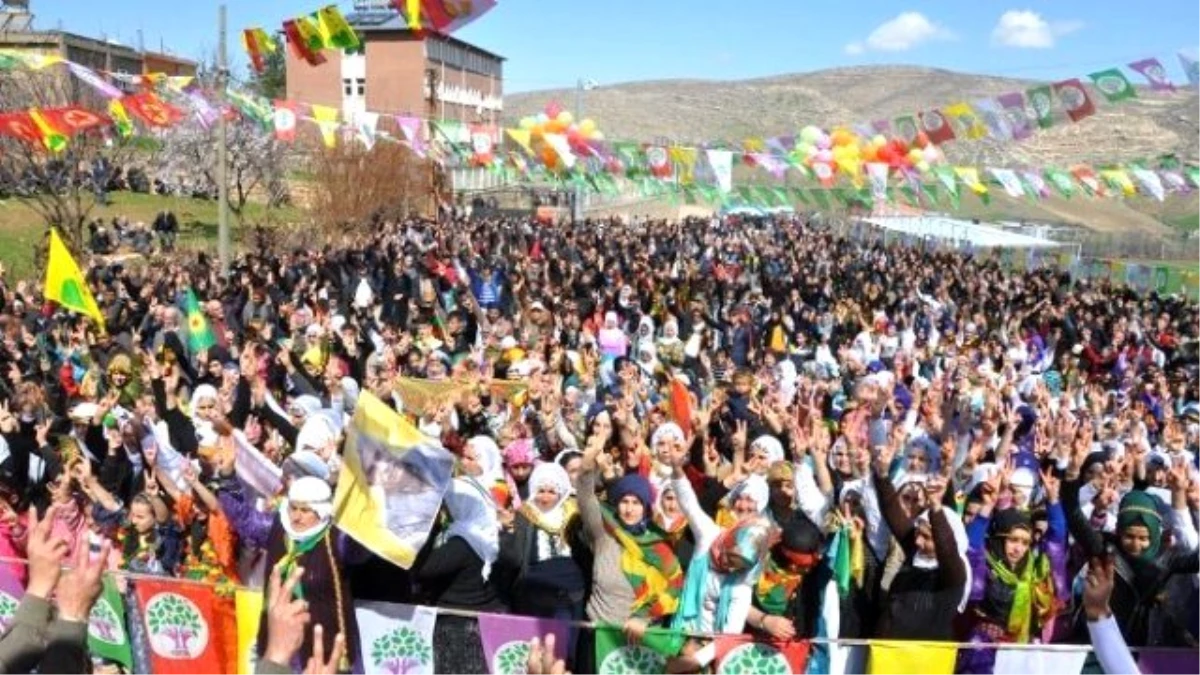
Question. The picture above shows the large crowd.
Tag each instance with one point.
(716, 410)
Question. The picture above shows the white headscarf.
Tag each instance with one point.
(316, 495)
(474, 520)
(549, 474)
(770, 445)
(489, 459)
(665, 431)
(756, 488)
(317, 432)
(202, 392)
(787, 380)
(670, 333)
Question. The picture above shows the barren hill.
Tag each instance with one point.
(694, 111)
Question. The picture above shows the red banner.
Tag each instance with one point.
(1075, 99)
(178, 618)
(151, 109)
(936, 127)
(73, 120)
(285, 120)
(20, 125)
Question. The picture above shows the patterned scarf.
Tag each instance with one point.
(649, 564)
(1033, 591)
(778, 583)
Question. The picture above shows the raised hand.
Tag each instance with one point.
(81, 585)
(287, 617)
(45, 553)
(1051, 484)
(317, 665)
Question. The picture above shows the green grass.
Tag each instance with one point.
(21, 227)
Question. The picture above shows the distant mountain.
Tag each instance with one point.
(694, 111)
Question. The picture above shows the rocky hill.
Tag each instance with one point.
(694, 111)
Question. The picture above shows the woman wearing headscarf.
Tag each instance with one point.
(636, 576)
(482, 462)
(612, 340)
(669, 346)
(930, 587)
(787, 597)
(536, 559)
(1018, 587)
(457, 573)
(1143, 567)
(719, 584)
(303, 537)
(519, 458)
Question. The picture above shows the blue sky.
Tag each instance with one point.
(552, 43)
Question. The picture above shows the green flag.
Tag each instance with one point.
(821, 197)
(1113, 85)
(107, 637)
(199, 333)
(615, 655)
(1061, 181)
(1042, 102)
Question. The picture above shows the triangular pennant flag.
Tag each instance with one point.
(1150, 182)
(1120, 181)
(1009, 181)
(366, 124)
(1156, 75)
(327, 121)
(1113, 85)
(522, 137)
(1061, 181)
(1075, 99)
(562, 148)
(1191, 68)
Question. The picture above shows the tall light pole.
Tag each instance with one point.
(581, 86)
(222, 150)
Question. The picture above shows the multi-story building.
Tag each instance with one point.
(400, 72)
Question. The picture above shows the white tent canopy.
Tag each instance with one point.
(958, 231)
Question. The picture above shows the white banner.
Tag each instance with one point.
(395, 638)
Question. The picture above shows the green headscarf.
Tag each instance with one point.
(1141, 508)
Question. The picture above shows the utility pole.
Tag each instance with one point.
(581, 86)
(222, 150)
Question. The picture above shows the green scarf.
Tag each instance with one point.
(1033, 591)
(649, 563)
(295, 549)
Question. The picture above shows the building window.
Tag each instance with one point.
(347, 86)
(361, 85)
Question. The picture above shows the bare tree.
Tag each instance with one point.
(62, 187)
(354, 184)
(255, 162)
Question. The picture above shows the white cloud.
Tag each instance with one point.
(905, 31)
(1026, 29)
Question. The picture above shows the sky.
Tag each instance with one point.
(554, 43)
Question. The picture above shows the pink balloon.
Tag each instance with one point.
(553, 108)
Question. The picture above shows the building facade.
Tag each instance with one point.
(399, 72)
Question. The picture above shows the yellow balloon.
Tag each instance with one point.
(565, 118)
(587, 126)
(597, 135)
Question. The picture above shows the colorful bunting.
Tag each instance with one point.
(284, 120)
(1156, 75)
(936, 127)
(966, 121)
(257, 45)
(1191, 67)
(327, 121)
(1041, 103)
(301, 36)
(336, 33)
(152, 110)
(1016, 114)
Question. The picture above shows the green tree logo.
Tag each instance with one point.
(631, 660)
(511, 659)
(176, 627)
(8, 610)
(403, 650)
(754, 659)
(104, 624)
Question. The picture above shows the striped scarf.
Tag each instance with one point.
(649, 564)
(775, 587)
(1033, 592)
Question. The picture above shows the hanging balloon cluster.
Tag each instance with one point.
(555, 131)
(842, 149)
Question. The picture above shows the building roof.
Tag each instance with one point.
(168, 57)
(392, 22)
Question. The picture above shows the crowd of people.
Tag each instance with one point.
(729, 425)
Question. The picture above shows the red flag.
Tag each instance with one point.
(73, 120)
(481, 144)
(681, 406)
(254, 49)
(152, 110)
(299, 45)
(1075, 99)
(659, 161)
(742, 654)
(285, 120)
(181, 634)
(936, 127)
(20, 125)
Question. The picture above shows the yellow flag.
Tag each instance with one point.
(969, 175)
(685, 157)
(327, 122)
(966, 121)
(422, 397)
(1118, 178)
(522, 137)
(249, 612)
(391, 484)
(120, 117)
(65, 283)
(414, 14)
(335, 31)
(903, 657)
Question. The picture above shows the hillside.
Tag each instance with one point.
(694, 111)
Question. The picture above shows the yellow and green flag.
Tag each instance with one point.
(336, 32)
(65, 283)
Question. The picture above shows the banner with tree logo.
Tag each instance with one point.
(179, 627)
(395, 639)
